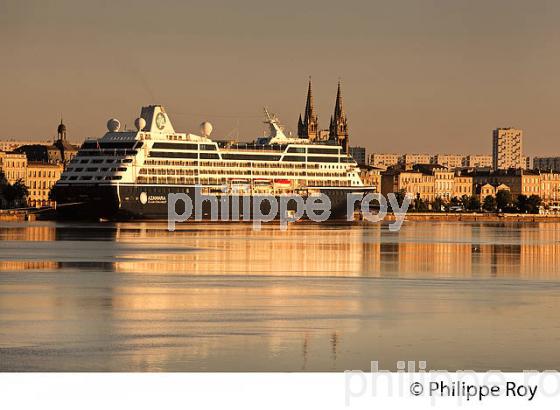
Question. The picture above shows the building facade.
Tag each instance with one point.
(507, 148)
(371, 176)
(10, 145)
(13, 166)
(450, 161)
(413, 159)
(547, 163)
(443, 183)
(524, 182)
(40, 178)
(418, 184)
(383, 160)
(477, 161)
(462, 185)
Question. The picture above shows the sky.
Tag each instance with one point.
(417, 75)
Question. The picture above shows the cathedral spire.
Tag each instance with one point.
(309, 108)
(307, 127)
(338, 130)
(339, 107)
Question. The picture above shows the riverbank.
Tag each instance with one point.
(477, 217)
(27, 215)
(16, 216)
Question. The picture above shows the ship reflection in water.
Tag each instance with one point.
(135, 297)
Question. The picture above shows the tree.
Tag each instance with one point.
(399, 196)
(474, 203)
(21, 190)
(522, 203)
(533, 204)
(489, 203)
(14, 194)
(503, 199)
(419, 204)
(438, 204)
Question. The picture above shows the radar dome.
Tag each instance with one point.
(206, 128)
(140, 123)
(113, 125)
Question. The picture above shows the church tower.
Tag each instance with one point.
(61, 131)
(307, 127)
(338, 129)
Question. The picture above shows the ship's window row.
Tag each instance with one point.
(90, 178)
(71, 169)
(244, 164)
(170, 180)
(111, 145)
(234, 172)
(100, 161)
(106, 153)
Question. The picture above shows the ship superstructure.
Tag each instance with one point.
(128, 174)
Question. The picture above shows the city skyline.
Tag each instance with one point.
(441, 82)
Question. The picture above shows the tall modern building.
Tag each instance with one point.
(507, 148)
(359, 154)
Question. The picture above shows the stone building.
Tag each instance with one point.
(427, 182)
(462, 185)
(13, 166)
(40, 178)
(418, 184)
(524, 182)
(61, 151)
(371, 176)
(484, 190)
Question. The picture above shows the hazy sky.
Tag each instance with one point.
(418, 75)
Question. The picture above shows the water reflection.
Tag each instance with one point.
(225, 297)
(430, 249)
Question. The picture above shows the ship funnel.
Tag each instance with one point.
(156, 119)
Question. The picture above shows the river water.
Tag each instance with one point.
(211, 297)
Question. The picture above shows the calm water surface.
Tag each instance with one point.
(135, 297)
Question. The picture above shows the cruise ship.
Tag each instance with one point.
(129, 174)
